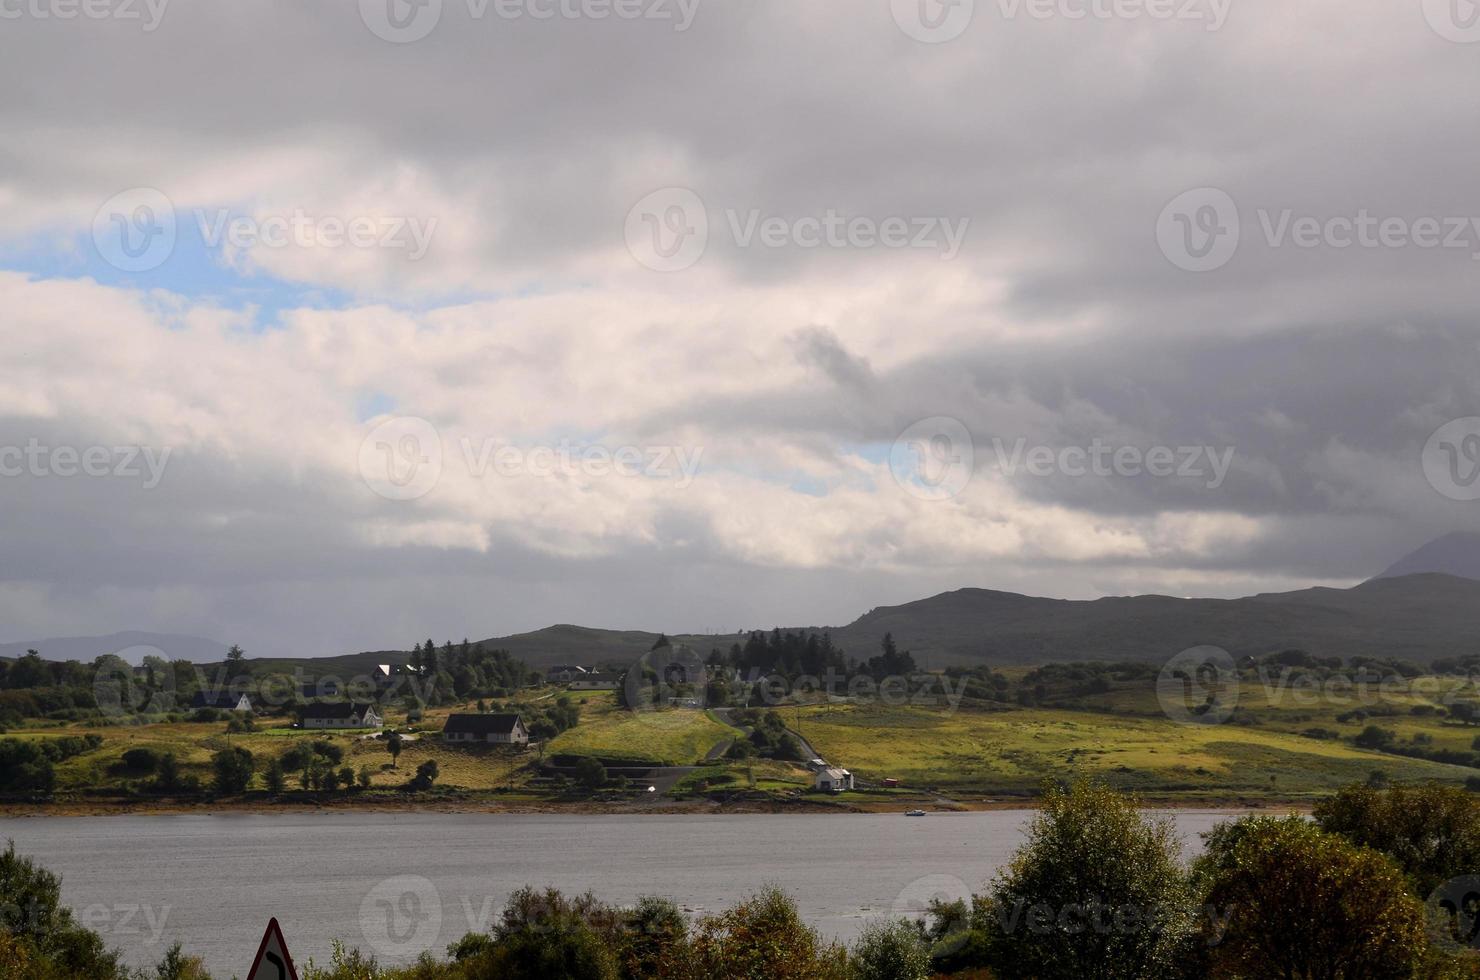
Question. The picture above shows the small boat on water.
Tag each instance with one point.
(914, 813)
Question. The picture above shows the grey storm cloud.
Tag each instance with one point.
(1058, 143)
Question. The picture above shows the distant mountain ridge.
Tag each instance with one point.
(1423, 607)
(1416, 617)
(132, 645)
(1453, 554)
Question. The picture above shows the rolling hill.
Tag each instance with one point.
(1416, 617)
(1425, 606)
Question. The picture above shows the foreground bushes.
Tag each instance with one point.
(1432, 832)
(1301, 902)
(547, 936)
(1097, 890)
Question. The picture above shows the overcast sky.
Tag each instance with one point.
(333, 325)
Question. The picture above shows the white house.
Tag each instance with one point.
(595, 682)
(498, 729)
(341, 714)
(564, 673)
(832, 780)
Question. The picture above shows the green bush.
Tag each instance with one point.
(542, 935)
(890, 950)
(233, 770)
(762, 937)
(1431, 831)
(1097, 890)
(426, 775)
(141, 760)
(1292, 900)
(25, 768)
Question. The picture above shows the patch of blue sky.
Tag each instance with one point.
(200, 273)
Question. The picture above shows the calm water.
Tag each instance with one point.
(395, 884)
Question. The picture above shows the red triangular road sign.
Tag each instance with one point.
(273, 961)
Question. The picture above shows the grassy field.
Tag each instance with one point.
(1136, 747)
(983, 750)
(605, 731)
(677, 737)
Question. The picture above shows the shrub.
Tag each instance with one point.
(297, 757)
(25, 768)
(233, 770)
(655, 929)
(890, 950)
(177, 966)
(426, 775)
(543, 934)
(763, 936)
(273, 776)
(167, 772)
(324, 749)
(1431, 831)
(1296, 901)
(590, 773)
(141, 760)
(1090, 860)
(1373, 737)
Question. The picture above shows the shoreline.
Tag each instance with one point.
(122, 808)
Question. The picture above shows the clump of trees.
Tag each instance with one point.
(426, 775)
(1432, 832)
(546, 722)
(768, 738)
(1099, 890)
(788, 654)
(28, 766)
(1299, 901)
(468, 670)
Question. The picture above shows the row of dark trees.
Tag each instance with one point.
(812, 654)
(32, 687)
(471, 670)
